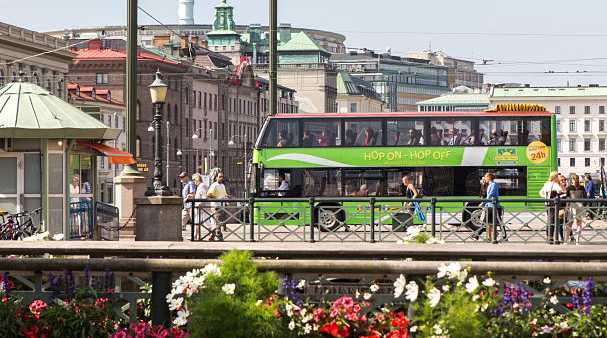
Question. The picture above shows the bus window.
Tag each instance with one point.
(363, 133)
(405, 132)
(395, 180)
(321, 133)
(363, 182)
(499, 132)
(535, 130)
(451, 132)
(281, 134)
(321, 183)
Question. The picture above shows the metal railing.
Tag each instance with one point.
(93, 220)
(457, 220)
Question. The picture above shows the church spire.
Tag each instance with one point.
(224, 17)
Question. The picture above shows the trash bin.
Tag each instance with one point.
(401, 221)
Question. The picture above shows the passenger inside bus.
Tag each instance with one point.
(282, 139)
(369, 138)
(350, 138)
(324, 140)
(307, 139)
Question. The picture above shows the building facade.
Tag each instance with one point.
(462, 99)
(581, 122)
(17, 45)
(100, 104)
(460, 72)
(355, 95)
(401, 82)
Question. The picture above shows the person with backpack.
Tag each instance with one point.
(408, 190)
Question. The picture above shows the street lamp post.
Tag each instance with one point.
(158, 91)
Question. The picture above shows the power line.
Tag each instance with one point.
(47, 52)
(576, 35)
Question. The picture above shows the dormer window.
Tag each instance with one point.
(109, 96)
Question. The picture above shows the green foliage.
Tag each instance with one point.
(246, 313)
(593, 325)
(10, 323)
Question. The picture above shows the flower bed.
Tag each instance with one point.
(233, 299)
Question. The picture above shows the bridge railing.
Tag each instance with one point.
(394, 219)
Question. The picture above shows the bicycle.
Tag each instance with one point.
(17, 226)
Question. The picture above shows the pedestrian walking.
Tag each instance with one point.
(200, 215)
(575, 210)
(550, 191)
(217, 191)
(188, 191)
(491, 204)
(408, 190)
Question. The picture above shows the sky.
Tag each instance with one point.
(524, 38)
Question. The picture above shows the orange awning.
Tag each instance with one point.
(116, 156)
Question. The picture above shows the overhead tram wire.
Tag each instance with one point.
(514, 34)
(47, 52)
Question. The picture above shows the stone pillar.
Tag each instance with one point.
(159, 219)
(126, 190)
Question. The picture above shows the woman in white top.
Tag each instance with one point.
(202, 215)
(551, 189)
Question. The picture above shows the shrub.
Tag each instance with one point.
(237, 302)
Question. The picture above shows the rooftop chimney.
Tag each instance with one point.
(185, 12)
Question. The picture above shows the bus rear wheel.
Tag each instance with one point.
(329, 217)
(472, 216)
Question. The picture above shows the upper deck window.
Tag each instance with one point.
(281, 134)
(320, 133)
(405, 132)
(363, 133)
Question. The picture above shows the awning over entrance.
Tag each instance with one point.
(116, 156)
(29, 111)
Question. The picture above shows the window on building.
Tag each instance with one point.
(587, 126)
(571, 109)
(586, 109)
(572, 162)
(572, 127)
(205, 105)
(557, 109)
(572, 145)
(587, 144)
(138, 147)
(602, 161)
(601, 109)
(353, 107)
(102, 78)
(215, 102)
(601, 144)
(558, 125)
(587, 162)
(558, 161)
(187, 95)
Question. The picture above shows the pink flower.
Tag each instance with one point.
(36, 308)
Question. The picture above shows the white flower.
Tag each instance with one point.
(176, 304)
(564, 325)
(291, 325)
(374, 288)
(307, 318)
(357, 294)
(211, 269)
(367, 296)
(453, 270)
(433, 240)
(534, 321)
(475, 298)
(258, 302)
(399, 286)
(547, 280)
(413, 329)
(412, 291)
(228, 289)
(445, 288)
(554, 300)
(437, 329)
(434, 297)
(307, 329)
(182, 318)
(57, 237)
(301, 284)
(472, 284)
(489, 282)
(551, 311)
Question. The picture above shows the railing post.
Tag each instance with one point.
(250, 219)
(312, 225)
(433, 206)
(193, 221)
(161, 286)
(372, 204)
(557, 210)
(494, 225)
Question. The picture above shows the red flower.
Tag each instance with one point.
(36, 308)
(569, 306)
(32, 332)
(318, 314)
(398, 334)
(100, 302)
(373, 334)
(330, 329)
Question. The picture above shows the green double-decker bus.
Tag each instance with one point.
(366, 155)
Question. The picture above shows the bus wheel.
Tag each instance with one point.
(329, 217)
(472, 216)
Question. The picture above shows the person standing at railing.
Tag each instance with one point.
(408, 190)
(217, 191)
(200, 216)
(187, 192)
(575, 191)
(493, 194)
(551, 190)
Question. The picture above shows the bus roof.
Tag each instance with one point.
(411, 114)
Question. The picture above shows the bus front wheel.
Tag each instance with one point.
(329, 217)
